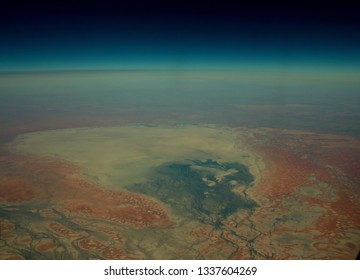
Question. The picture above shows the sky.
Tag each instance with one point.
(69, 35)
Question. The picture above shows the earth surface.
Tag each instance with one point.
(97, 183)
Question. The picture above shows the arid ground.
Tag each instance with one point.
(92, 171)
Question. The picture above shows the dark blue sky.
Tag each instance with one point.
(38, 35)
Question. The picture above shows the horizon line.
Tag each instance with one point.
(242, 69)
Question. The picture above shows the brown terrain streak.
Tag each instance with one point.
(5, 226)
(91, 244)
(47, 246)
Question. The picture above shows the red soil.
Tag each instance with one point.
(91, 244)
(115, 254)
(294, 160)
(47, 246)
(15, 190)
(63, 231)
(5, 226)
(26, 240)
(27, 178)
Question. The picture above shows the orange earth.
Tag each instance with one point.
(307, 195)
